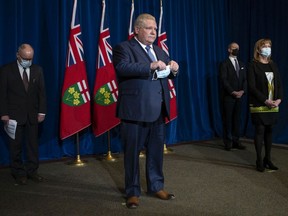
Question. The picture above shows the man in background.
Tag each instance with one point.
(233, 84)
(22, 90)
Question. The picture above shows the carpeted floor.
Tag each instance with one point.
(206, 180)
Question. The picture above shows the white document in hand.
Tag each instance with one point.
(10, 128)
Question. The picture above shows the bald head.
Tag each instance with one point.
(25, 51)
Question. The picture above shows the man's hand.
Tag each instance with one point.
(41, 118)
(157, 65)
(238, 94)
(174, 67)
(5, 119)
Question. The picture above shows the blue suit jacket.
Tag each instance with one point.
(140, 98)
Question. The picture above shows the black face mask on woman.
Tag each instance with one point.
(235, 52)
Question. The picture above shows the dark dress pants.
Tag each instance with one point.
(27, 164)
(231, 122)
(135, 136)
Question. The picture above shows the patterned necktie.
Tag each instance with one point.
(25, 80)
(152, 57)
(237, 68)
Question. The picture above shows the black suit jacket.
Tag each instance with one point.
(140, 98)
(16, 102)
(229, 81)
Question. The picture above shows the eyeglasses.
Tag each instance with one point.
(27, 59)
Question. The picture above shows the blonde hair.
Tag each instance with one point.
(257, 48)
(140, 21)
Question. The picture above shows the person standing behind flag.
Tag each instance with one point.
(23, 100)
(143, 104)
(233, 82)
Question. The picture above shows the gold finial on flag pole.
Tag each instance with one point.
(78, 161)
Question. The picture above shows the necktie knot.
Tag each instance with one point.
(152, 57)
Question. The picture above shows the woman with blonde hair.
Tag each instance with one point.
(265, 95)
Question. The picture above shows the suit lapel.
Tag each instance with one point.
(140, 51)
(16, 72)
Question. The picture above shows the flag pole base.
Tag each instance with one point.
(167, 150)
(109, 157)
(77, 162)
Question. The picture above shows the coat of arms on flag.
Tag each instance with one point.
(106, 94)
(105, 89)
(76, 94)
(75, 105)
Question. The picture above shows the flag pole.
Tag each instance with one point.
(167, 150)
(109, 156)
(78, 161)
(142, 154)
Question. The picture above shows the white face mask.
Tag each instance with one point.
(25, 63)
(266, 51)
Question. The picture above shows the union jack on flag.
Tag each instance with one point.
(75, 46)
(162, 39)
(130, 30)
(105, 88)
(104, 47)
(75, 103)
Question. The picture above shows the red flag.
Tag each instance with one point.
(162, 38)
(75, 104)
(105, 88)
(132, 17)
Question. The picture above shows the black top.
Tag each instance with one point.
(258, 90)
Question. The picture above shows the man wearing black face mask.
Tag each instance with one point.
(233, 83)
(23, 99)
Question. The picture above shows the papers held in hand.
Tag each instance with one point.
(10, 128)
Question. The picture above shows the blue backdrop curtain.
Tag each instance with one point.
(198, 34)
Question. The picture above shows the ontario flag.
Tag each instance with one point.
(162, 39)
(132, 17)
(105, 87)
(75, 103)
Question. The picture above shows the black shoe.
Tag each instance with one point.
(228, 147)
(259, 166)
(36, 178)
(21, 180)
(269, 165)
(239, 146)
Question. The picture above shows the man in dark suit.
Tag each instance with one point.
(23, 99)
(233, 84)
(143, 70)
